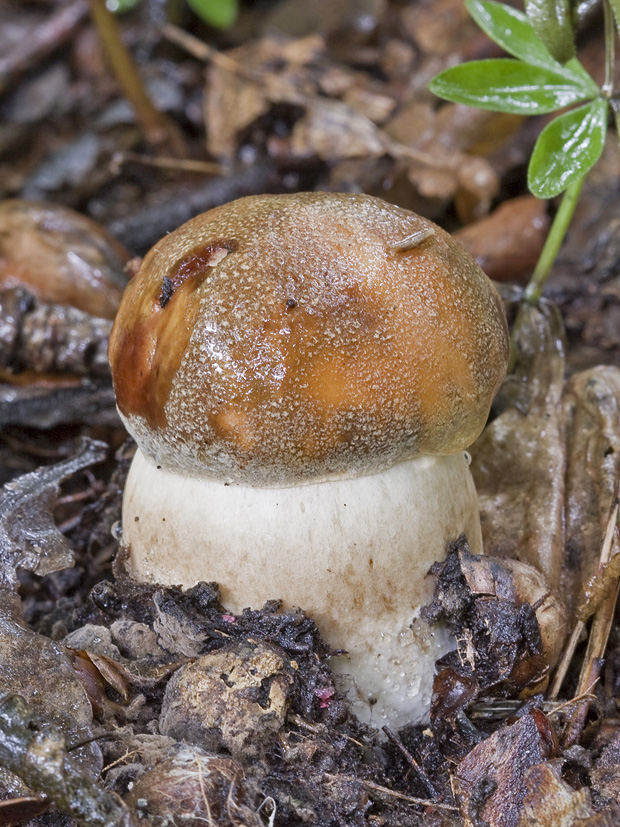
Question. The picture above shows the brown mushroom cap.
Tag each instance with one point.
(290, 338)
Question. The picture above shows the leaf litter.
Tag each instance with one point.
(96, 667)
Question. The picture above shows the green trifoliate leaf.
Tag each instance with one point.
(219, 13)
(511, 30)
(552, 20)
(506, 85)
(567, 149)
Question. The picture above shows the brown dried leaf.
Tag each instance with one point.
(550, 802)
(490, 781)
(61, 257)
(332, 131)
(606, 773)
(29, 538)
(591, 411)
(231, 104)
(547, 468)
(518, 462)
(241, 87)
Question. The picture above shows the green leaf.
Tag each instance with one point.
(552, 20)
(567, 148)
(506, 85)
(219, 13)
(121, 6)
(615, 7)
(511, 30)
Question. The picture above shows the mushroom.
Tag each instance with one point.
(302, 374)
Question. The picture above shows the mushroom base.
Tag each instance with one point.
(353, 553)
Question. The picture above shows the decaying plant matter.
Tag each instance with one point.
(123, 703)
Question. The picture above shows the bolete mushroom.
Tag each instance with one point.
(302, 374)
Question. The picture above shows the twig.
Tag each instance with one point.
(157, 128)
(377, 788)
(141, 228)
(202, 51)
(161, 162)
(567, 656)
(44, 41)
(419, 772)
(317, 729)
(599, 635)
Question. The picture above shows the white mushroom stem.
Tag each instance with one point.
(354, 553)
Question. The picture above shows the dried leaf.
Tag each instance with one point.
(29, 538)
(332, 131)
(35, 750)
(490, 781)
(61, 257)
(509, 628)
(518, 462)
(550, 802)
(591, 411)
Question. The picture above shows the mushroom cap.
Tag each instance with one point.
(282, 339)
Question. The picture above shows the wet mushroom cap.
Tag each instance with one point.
(293, 338)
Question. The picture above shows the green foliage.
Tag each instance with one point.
(219, 13)
(121, 6)
(506, 85)
(615, 7)
(542, 76)
(552, 20)
(567, 148)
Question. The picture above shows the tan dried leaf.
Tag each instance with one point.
(332, 131)
(550, 802)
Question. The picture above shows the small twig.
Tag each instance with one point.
(599, 635)
(161, 162)
(157, 128)
(419, 772)
(317, 729)
(202, 51)
(44, 41)
(124, 757)
(567, 656)
(377, 788)
(554, 711)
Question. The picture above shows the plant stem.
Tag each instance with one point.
(610, 50)
(157, 128)
(559, 227)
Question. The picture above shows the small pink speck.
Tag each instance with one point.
(325, 696)
(229, 618)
